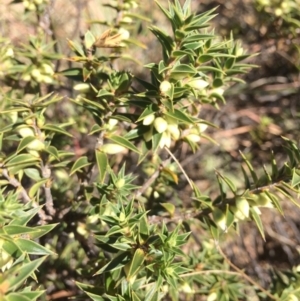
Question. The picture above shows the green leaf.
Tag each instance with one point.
(89, 39)
(73, 73)
(169, 207)
(21, 159)
(229, 183)
(33, 173)
(24, 143)
(285, 193)
(79, 164)
(183, 70)
(32, 232)
(258, 222)
(169, 174)
(31, 247)
(134, 296)
(56, 129)
(19, 274)
(275, 202)
(156, 137)
(136, 263)
(149, 110)
(95, 297)
(31, 296)
(76, 48)
(250, 167)
(102, 164)
(296, 178)
(23, 219)
(35, 188)
(124, 142)
(17, 297)
(181, 117)
(115, 264)
(152, 293)
(53, 152)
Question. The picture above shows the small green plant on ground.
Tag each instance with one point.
(108, 216)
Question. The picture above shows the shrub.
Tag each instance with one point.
(108, 215)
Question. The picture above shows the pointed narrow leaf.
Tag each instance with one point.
(102, 164)
(79, 164)
(33, 173)
(19, 274)
(250, 167)
(275, 202)
(134, 296)
(35, 188)
(95, 297)
(136, 263)
(52, 151)
(21, 160)
(125, 143)
(24, 143)
(76, 48)
(295, 179)
(17, 297)
(258, 222)
(31, 247)
(89, 39)
(181, 117)
(117, 263)
(169, 207)
(56, 129)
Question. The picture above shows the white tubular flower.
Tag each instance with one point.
(160, 124)
(165, 140)
(148, 119)
(198, 84)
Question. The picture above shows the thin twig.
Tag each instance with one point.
(15, 183)
(198, 273)
(244, 275)
(180, 167)
(24, 195)
(208, 272)
(46, 173)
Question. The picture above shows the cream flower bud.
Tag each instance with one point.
(243, 206)
(46, 79)
(125, 34)
(219, 218)
(263, 200)
(164, 87)
(193, 138)
(36, 73)
(202, 127)
(112, 148)
(25, 131)
(148, 119)
(148, 135)
(120, 183)
(165, 140)
(36, 145)
(212, 296)
(198, 84)
(9, 52)
(174, 131)
(126, 20)
(160, 124)
(218, 91)
(47, 69)
(82, 87)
